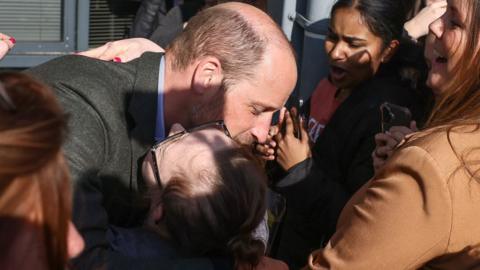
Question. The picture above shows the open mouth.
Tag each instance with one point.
(337, 73)
(440, 59)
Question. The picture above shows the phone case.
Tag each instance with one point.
(394, 115)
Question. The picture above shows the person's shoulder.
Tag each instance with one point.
(449, 147)
(446, 138)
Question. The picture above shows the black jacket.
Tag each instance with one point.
(318, 188)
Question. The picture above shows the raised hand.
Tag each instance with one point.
(418, 25)
(267, 150)
(123, 50)
(386, 143)
(6, 44)
(290, 149)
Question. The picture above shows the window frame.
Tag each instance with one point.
(75, 20)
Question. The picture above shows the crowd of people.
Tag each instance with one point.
(149, 154)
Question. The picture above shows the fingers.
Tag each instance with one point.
(437, 9)
(265, 151)
(438, 4)
(382, 139)
(293, 112)
(272, 143)
(113, 52)
(176, 128)
(413, 126)
(8, 40)
(378, 162)
(281, 116)
(3, 49)
(95, 52)
(383, 151)
(400, 129)
(273, 130)
(399, 132)
(305, 137)
(289, 123)
(6, 44)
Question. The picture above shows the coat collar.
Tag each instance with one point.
(143, 110)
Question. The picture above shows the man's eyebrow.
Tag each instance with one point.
(266, 106)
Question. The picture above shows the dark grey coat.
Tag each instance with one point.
(112, 111)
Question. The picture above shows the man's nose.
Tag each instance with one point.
(261, 128)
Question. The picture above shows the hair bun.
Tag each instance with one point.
(246, 249)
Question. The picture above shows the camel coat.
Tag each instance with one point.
(421, 210)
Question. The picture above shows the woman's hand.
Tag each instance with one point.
(6, 43)
(386, 143)
(267, 150)
(417, 27)
(290, 149)
(123, 50)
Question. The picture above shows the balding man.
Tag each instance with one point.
(231, 63)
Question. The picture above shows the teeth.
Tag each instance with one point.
(437, 54)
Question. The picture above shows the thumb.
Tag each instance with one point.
(176, 128)
(413, 126)
(281, 116)
(303, 130)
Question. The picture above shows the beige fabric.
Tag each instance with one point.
(419, 207)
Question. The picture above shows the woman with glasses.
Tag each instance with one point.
(35, 197)
(207, 196)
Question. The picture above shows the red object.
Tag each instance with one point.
(12, 40)
(322, 106)
(117, 59)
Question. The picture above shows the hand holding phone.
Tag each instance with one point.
(296, 123)
(394, 115)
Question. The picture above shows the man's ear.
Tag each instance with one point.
(208, 75)
(390, 51)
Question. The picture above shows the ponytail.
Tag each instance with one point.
(246, 250)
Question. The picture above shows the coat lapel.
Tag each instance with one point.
(143, 110)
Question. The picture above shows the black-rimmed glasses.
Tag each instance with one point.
(5, 101)
(219, 124)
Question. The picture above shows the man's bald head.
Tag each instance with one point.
(237, 34)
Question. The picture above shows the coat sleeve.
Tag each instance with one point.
(86, 154)
(400, 220)
(87, 146)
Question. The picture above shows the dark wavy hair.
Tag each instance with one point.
(385, 18)
(221, 221)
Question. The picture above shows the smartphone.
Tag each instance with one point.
(394, 115)
(297, 103)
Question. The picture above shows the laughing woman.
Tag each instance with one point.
(362, 44)
(421, 209)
